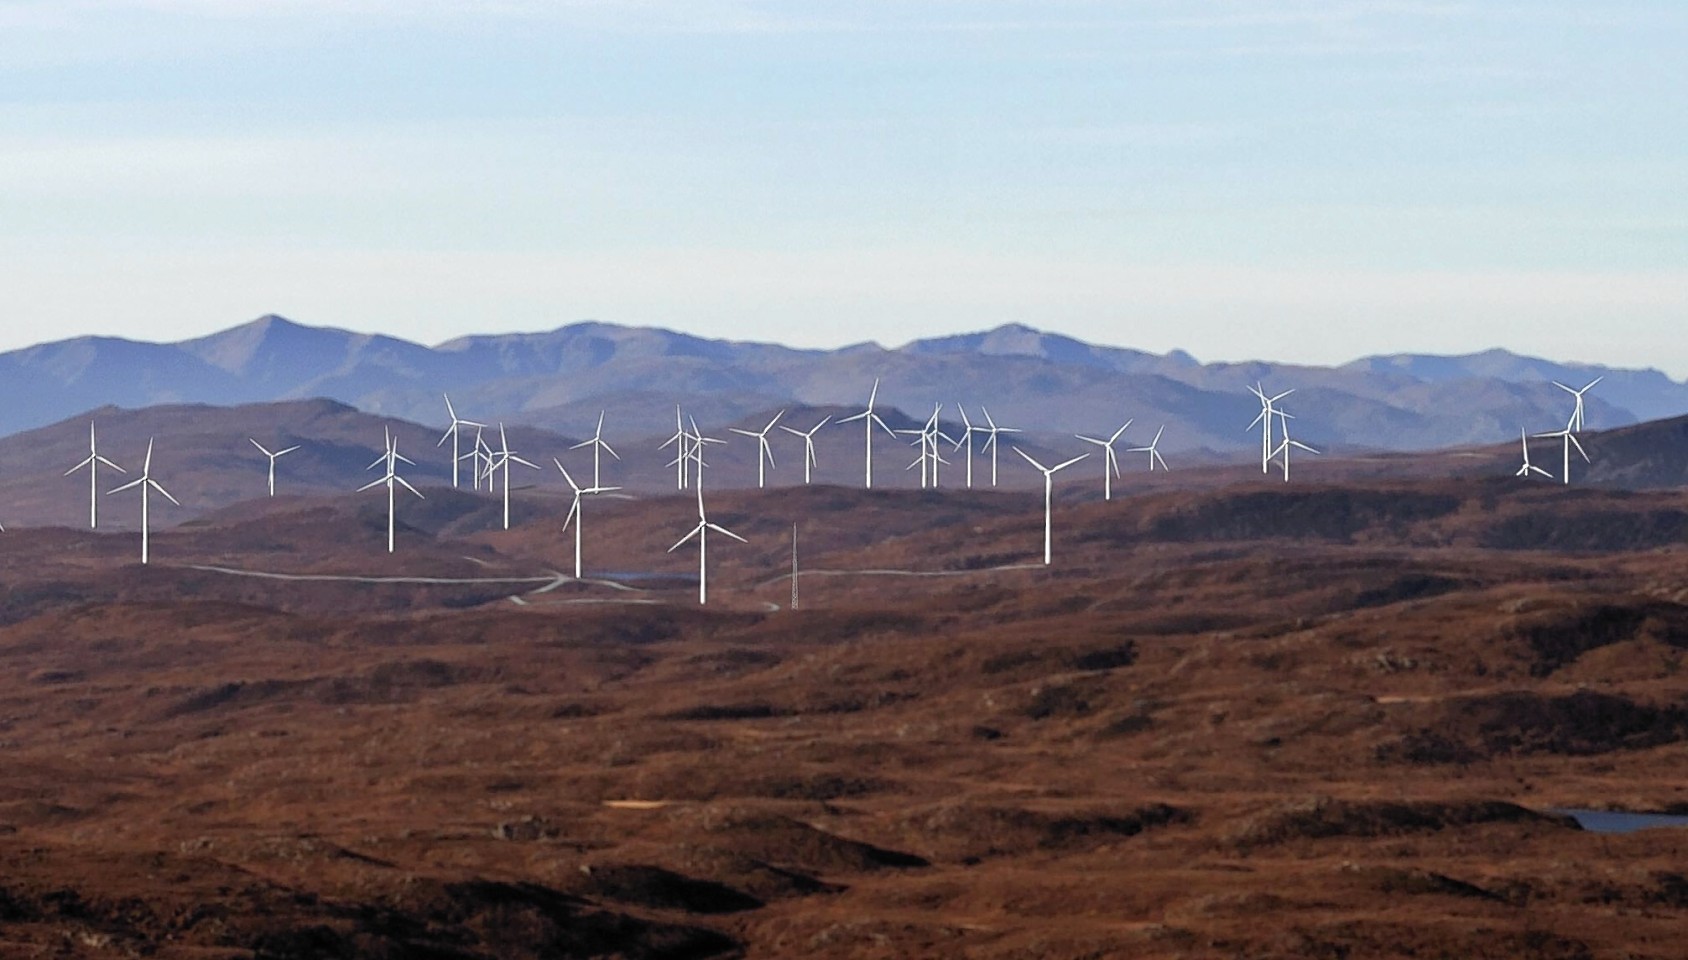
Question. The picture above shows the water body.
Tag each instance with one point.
(1619, 821)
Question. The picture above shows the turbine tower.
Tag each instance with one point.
(1153, 453)
(479, 454)
(145, 482)
(1577, 414)
(1570, 438)
(764, 453)
(990, 441)
(701, 531)
(967, 431)
(92, 463)
(501, 460)
(679, 463)
(869, 418)
(390, 460)
(1284, 446)
(808, 444)
(453, 431)
(598, 446)
(574, 510)
(1528, 467)
(1048, 494)
(282, 453)
(1110, 463)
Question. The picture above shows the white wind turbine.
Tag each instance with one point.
(869, 418)
(1577, 414)
(453, 431)
(808, 444)
(990, 441)
(679, 463)
(598, 446)
(145, 482)
(1048, 494)
(390, 460)
(1153, 453)
(501, 460)
(1264, 418)
(1110, 463)
(695, 452)
(967, 431)
(764, 453)
(1570, 437)
(1284, 446)
(92, 463)
(701, 531)
(273, 458)
(574, 510)
(479, 454)
(1528, 467)
(927, 439)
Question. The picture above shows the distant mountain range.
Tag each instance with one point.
(560, 380)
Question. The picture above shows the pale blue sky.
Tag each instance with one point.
(1240, 178)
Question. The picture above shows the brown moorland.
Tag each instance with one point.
(1329, 719)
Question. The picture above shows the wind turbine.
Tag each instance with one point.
(694, 452)
(501, 459)
(927, 439)
(274, 457)
(701, 531)
(457, 425)
(764, 453)
(869, 418)
(990, 441)
(1283, 447)
(574, 510)
(1528, 467)
(967, 431)
(145, 481)
(1570, 441)
(1153, 453)
(1577, 414)
(1110, 463)
(597, 444)
(92, 463)
(679, 437)
(390, 458)
(1048, 493)
(1264, 418)
(808, 444)
(479, 454)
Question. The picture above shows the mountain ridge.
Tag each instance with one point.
(560, 379)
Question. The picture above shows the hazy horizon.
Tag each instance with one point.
(1303, 182)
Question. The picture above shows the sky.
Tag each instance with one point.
(1306, 181)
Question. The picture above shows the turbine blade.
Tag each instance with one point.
(1121, 429)
(1065, 464)
(747, 433)
(795, 433)
(283, 453)
(574, 511)
(1028, 459)
(987, 413)
(258, 445)
(588, 443)
(1592, 383)
(681, 542)
(133, 483)
(399, 456)
(368, 486)
(771, 423)
(406, 484)
(609, 449)
(91, 459)
(720, 529)
(853, 419)
(824, 420)
(572, 485)
(1578, 444)
(154, 484)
